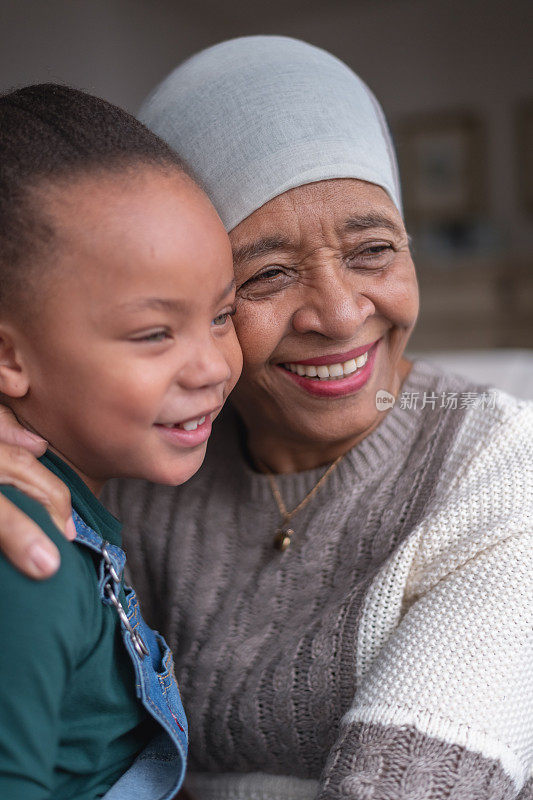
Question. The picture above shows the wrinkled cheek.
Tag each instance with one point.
(253, 361)
(257, 387)
(403, 302)
(412, 307)
(249, 384)
(410, 301)
(413, 296)
(235, 361)
(259, 330)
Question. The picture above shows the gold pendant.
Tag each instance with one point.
(283, 538)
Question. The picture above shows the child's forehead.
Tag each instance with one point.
(111, 186)
(151, 232)
(128, 208)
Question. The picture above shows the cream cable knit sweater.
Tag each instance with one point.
(388, 654)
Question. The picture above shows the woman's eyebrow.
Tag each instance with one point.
(261, 247)
(365, 221)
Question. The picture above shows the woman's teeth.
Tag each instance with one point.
(328, 372)
(186, 426)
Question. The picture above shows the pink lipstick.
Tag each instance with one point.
(335, 387)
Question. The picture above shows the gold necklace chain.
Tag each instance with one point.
(284, 533)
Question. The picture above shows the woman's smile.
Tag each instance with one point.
(333, 376)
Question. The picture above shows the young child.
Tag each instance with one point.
(117, 346)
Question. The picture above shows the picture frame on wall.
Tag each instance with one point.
(442, 160)
(524, 154)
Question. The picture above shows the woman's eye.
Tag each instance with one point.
(377, 249)
(268, 274)
(269, 279)
(271, 272)
(374, 255)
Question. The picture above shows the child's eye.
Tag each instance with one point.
(153, 336)
(221, 319)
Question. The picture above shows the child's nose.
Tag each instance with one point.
(207, 367)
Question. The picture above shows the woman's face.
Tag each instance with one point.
(326, 300)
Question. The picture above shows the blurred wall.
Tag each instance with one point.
(416, 55)
(115, 48)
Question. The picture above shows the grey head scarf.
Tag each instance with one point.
(255, 116)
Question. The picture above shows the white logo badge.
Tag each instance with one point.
(384, 400)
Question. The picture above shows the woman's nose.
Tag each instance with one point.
(206, 367)
(333, 306)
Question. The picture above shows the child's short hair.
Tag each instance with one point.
(49, 132)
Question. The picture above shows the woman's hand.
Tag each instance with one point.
(21, 540)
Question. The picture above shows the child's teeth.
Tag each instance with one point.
(329, 371)
(186, 426)
(193, 424)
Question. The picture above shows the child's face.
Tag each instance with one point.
(132, 335)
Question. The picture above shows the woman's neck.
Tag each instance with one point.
(281, 456)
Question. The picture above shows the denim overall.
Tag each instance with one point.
(158, 771)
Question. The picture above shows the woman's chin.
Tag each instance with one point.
(345, 419)
(349, 428)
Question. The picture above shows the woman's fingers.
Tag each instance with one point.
(21, 540)
(12, 432)
(21, 469)
(25, 544)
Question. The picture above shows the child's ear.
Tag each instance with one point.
(14, 380)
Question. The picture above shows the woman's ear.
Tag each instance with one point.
(14, 379)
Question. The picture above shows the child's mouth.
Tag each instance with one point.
(190, 433)
(190, 425)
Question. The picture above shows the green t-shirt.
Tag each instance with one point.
(70, 722)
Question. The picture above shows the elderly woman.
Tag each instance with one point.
(351, 616)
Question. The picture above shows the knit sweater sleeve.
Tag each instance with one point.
(444, 704)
